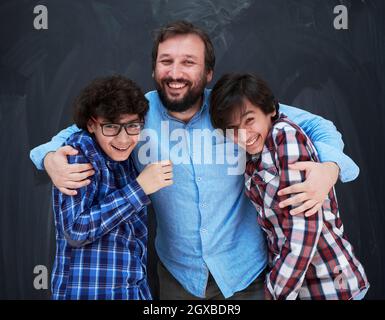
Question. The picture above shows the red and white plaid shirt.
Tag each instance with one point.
(309, 257)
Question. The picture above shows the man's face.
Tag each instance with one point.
(180, 74)
(119, 147)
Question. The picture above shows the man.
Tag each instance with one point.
(207, 240)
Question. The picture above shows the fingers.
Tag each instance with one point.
(301, 165)
(75, 185)
(302, 208)
(314, 210)
(81, 167)
(295, 188)
(76, 177)
(67, 150)
(68, 192)
(295, 200)
(164, 163)
(168, 176)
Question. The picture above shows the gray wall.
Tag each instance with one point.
(337, 74)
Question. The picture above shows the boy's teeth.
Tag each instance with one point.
(252, 141)
(120, 149)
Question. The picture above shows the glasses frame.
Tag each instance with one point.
(121, 126)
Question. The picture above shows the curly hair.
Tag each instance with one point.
(110, 98)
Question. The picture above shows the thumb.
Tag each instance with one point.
(301, 166)
(68, 150)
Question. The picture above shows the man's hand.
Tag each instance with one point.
(156, 176)
(310, 194)
(67, 176)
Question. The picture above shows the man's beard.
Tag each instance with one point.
(192, 96)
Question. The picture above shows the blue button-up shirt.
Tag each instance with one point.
(205, 223)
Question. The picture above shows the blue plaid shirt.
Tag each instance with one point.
(101, 233)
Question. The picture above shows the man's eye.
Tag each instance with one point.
(166, 62)
(189, 62)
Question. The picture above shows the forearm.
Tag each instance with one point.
(326, 139)
(89, 224)
(38, 153)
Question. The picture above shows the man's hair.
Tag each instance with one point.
(184, 28)
(229, 94)
(110, 98)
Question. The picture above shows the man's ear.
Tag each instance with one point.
(209, 76)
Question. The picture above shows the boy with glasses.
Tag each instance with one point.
(101, 232)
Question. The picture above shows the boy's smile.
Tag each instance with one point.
(119, 147)
(251, 127)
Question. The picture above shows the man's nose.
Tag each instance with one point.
(176, 71)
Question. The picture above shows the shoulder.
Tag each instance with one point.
(152, 96)
(89, 151)
(285, 131)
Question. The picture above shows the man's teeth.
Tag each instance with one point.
(176, 85)
(251, 142)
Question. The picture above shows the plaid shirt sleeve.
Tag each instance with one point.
(83, 220)
(301, 234)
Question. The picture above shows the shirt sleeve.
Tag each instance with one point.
(38, 153)
(289, 267)
(83, 220)
(327, 140)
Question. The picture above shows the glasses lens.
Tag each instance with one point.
(134, 128)
(111, 129)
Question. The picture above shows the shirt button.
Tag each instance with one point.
(204, 230)
(199, 179)
(203, 205)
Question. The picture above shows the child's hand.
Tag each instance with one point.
(156, 176)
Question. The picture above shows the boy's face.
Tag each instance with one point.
(180, 72)
(251, 127)
(119, 147)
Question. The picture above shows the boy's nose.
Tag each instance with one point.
(123, 137)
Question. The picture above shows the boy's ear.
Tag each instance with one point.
(91, 126)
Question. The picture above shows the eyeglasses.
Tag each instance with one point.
(113, 129)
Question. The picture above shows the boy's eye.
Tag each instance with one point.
(134, 125)
(111, 126)
(249, 120)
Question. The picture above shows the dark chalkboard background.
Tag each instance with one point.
(293, 44)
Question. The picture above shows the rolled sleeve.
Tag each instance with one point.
(349, 171)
